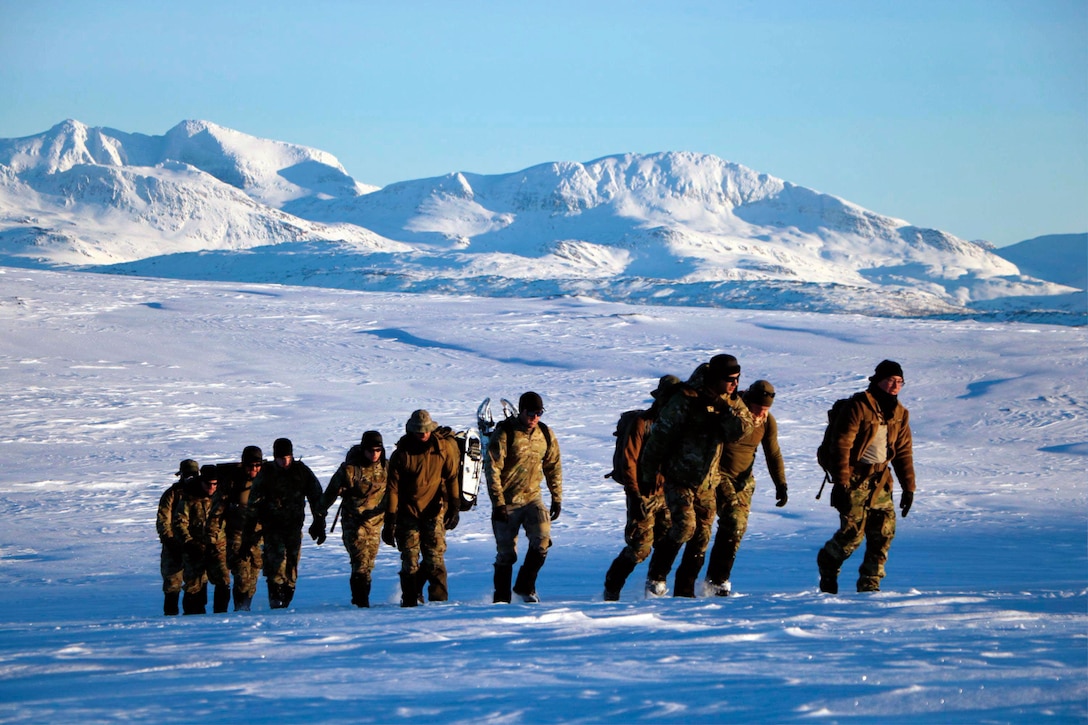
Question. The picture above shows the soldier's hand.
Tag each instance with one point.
(317, 531)
(500, 513)
(194, 550)
(781, 495)
(389, 533)
(557, 506)
(453, 517)
(906, 499)
(840, 498)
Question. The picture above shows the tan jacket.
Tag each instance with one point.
(853, 432)
(422, 476)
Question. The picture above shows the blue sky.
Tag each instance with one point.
(967, 116)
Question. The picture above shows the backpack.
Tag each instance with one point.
(622, 433)
(824, 453)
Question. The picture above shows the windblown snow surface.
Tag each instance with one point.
(109, 381)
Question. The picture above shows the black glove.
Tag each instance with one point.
(317, 530)
(905, 501)
(194, 550)
(647, 486)
(389, 533)
(840, 498)
(557, 506)
(500, 513)
(781, 495)
(174, 546)
(453, 516)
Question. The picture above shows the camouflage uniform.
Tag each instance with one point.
(734, 495)
(685, 445)
(362, 483)
(200, 535)
(423, 500)
(518, 457)
(244, 560)
(862, 492)
(277, 504)
(171, 562)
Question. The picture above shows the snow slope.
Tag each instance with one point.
(1061, 258)
(667, 228)
(109, 381)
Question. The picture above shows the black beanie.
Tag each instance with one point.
(887, 369)
(530, 401)
(722, 366)
(252, 454)
(372, 439)
(282, 447)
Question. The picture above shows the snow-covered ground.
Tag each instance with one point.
(107, 382)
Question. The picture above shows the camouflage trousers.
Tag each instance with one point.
(648, 520)
(421, 541)
(692, 513)
(172, 568)
(361, 539)
(733, 509)
(870, 518)
(199, 571)
(532, 517)
(245, 566)
(281, 553)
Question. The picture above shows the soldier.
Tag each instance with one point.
(647, 515)
(361, 480)
(197, 530)
(685, 445)
(245, 564)
(521, 452)
(277, 503)
(423, 501)
(171, 562)
(870, 434)
(734, 493)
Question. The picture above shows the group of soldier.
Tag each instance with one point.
(687, 459)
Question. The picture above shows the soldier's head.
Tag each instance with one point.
(420, 425)
(209, 478)
(723, 374)
(758, 397)
(372, 445)
(888, 376)
(252, 459)
(188, 469)
(664, 385)
(530, 408)
(283, 452)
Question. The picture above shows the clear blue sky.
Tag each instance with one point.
(970, 116)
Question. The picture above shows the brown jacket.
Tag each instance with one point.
(421, 475)
(855, 429)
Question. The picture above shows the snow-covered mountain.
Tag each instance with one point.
(669, 228)
(1061, 258)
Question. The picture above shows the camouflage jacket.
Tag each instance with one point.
(739, 457)
(362, 483)
(517, 459)
(854, 430)
(200, 520)
(277, 500)
(685, 444)
(423, 476)
(167, 517)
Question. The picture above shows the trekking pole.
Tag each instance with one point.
(334, 518)
(827, 477)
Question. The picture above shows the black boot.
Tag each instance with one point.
(829, 572)
(409, 595)
(687, 573)
(242, 602)
(439, 590)
(220, 598)
(504, 573)
(194, 603)
(665, 552)
(617, 574)
(170, 604)
(360, 589)
(276, 596)
(525, 586)
(720, 566)
(288, 593)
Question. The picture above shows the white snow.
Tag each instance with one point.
(108, 381)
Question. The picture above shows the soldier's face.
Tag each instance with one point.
(758, 410)
(891, 385)
(531, 417)
(209, 486)
(253, 469)
(373, 454)
(284, 461)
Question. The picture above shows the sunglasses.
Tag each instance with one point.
(534, 413)
(734, 379)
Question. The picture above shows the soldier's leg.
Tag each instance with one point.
(506, 555)
(433, 546)
(734, 508)
(639, 536)
(538, 528)
(681, 504)
(879, 532)
(275, 569)
(173, 578)
(408, 544)
(703, 504)
(845, 541)
(247, 569)
(195, 598)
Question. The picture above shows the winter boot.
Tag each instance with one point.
(829, 572)
(665, 552)
(242, 601)
(276, 596)
(503, 575)
(220, 598)
(869, 584)
(360, 589)
(438, 590)
(409, 594)
(616, 577)
(170, 604)
(288, 593)
(686, 574)
(719, 567)
(525, 586)
(193, 603)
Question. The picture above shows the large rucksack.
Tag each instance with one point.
(623, 431)
(825, 453)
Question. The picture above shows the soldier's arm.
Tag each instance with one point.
(332, 491)
(496, 459)
(846, 428)
(392, 487)
(552, 465)
(776, 466)
(903, 452)
(662, 439)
